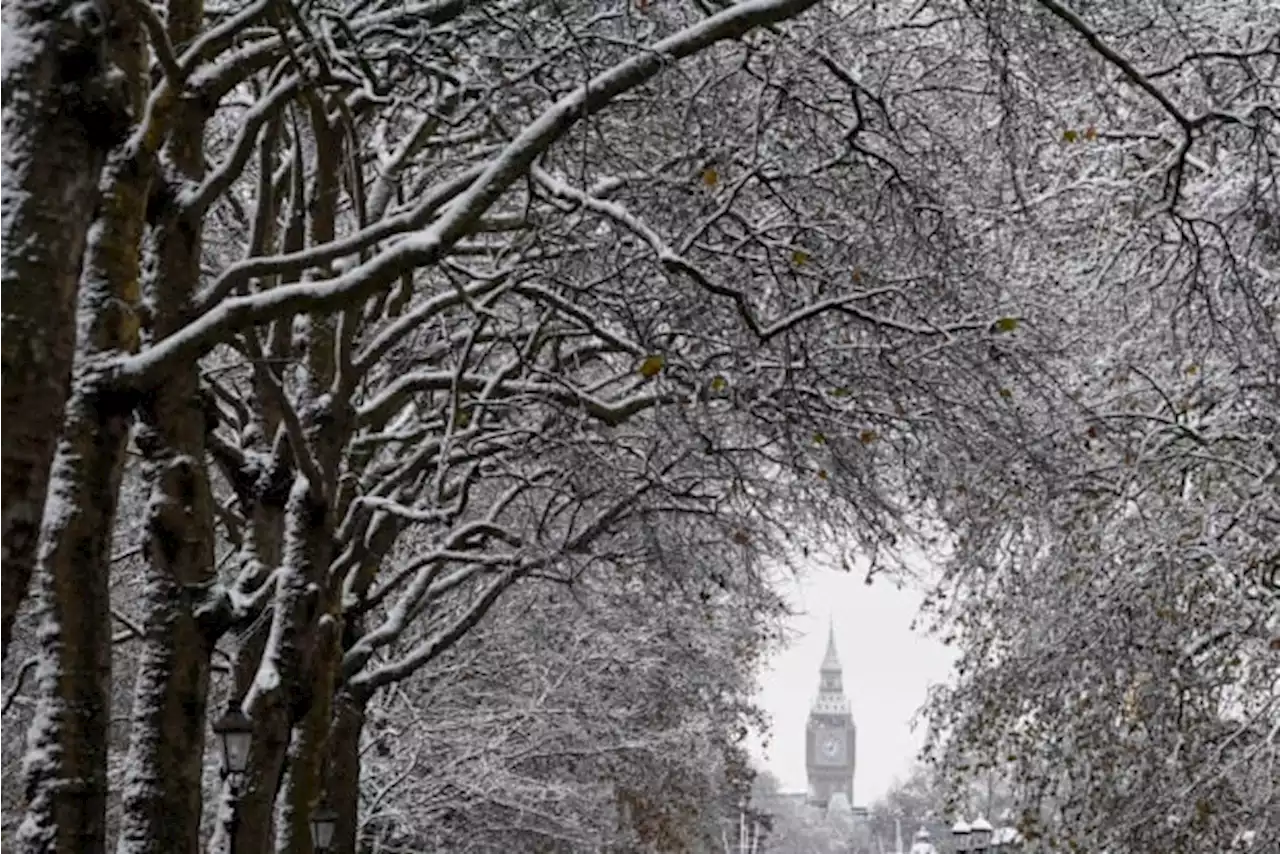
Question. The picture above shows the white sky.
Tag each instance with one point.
(887, 670)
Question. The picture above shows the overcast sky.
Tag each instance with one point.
(887, 670)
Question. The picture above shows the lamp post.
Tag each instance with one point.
(324, 821)
(235, 735)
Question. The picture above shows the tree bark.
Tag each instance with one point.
(63, 110)
(316, 655)
(162, 803)
(248, 815)
(264, 502)
(163, 797)
(305, 786)
(66, 765)
(283, 688)
(343, 772)
(66, 771)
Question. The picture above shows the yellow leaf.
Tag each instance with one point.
(1005, 324)
(719, 383)
(1006, 393)
(866, 437)
(840, 392)
(710, 176)
(1069, 136)
(652, 365)
(799, 257)
(1192, 370)
(822, 474)
(463, 419)
(819, 438)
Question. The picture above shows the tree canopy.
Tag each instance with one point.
(370, 360)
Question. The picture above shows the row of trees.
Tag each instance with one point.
(1118, 622)
(1110, 575)
(338, 332)
(563, 705)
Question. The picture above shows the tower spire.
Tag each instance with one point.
(831, 661)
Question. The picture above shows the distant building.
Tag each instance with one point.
(831, 737)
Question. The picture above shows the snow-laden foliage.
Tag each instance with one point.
(456, 297)
(1117, 621)
(548, 730)
(417, 308)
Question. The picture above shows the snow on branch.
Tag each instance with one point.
(456, 221)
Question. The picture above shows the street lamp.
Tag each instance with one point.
(324, 821)
(960, 833)
(980, 835)
(235, 733)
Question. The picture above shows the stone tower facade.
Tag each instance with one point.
(830, 736)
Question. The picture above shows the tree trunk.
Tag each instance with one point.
(162, 793)
(248, 815)
(305, 786)
(343, 773)
(280, 690)
(163, 797)
(63, 111)
(66, 771)
(66, 765)
(318, 654)
(247, 824)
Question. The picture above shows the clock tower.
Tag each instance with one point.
(830, 736)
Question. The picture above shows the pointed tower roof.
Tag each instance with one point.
(831, 661)
(831, 699)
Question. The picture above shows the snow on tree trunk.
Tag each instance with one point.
(326, 422)
(304, 784)
(265, 495)
(66, 764)
(63, 110)
(281, 690)
(162, 792)
(163, 798)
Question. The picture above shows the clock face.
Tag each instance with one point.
(831, 747)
